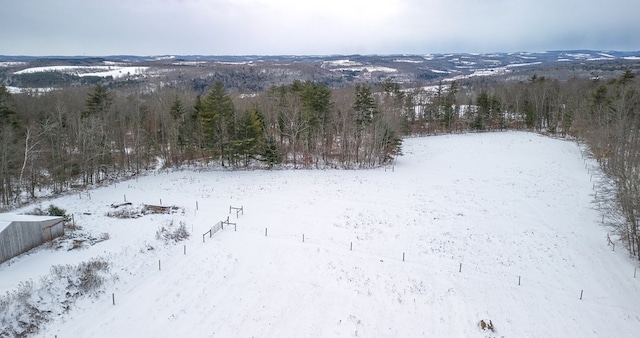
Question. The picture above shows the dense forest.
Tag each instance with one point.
(82, 136)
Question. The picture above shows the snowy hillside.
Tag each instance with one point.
(464, 228)
(99, 71)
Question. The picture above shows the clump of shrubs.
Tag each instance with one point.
(486, 325)
(125, 212)
(53, 210)
(25, 310)
(84, 278)
(57, 211)
(170, 233)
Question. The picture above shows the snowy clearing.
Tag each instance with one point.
(18, 90)
(465, 228)
(340, 63)
(100, 71)
(12, 63)
(369, 69)
(408, 60)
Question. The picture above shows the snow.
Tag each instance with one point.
(479, 72)
(164, 57)
(14, 90)
(12, 63)
(4, 224)
(52, 69)
(340, 63)
(526, 64)
(7, 219)
(425, 248)
(100, 71)
(408, 61)
(117, 72)
(235, 63)
(348, 65)
(369, 69)
(19, 90)
(114, 63)
(189, 63)
(25, 218)
(579, 55)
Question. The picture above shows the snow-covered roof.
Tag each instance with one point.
(4, 225)
(6, 219)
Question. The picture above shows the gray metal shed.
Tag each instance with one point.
(21, 233)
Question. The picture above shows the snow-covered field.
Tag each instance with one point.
(464, 228)
(100, 71)
(18, 90)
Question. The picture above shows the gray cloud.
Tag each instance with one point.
(147, 27)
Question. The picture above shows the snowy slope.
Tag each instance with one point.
(100, 71)
(472, 215)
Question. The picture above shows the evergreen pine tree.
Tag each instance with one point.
(271, 154)
(216, 118)
(365, 106)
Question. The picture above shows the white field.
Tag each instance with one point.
(369, 69)
(11, 63)
(19, 90)
(504, 206)
(340, 63)
(100, 71)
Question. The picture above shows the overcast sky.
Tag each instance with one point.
(312, 27)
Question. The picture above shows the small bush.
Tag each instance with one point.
(57, 211)
(89, 276)
(83, 279)
(486, 325)
(125, 212)
(170, 233)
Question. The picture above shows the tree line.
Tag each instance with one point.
(75, 137)
(79, 136)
